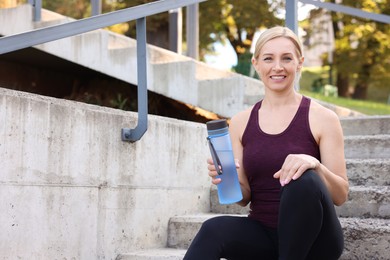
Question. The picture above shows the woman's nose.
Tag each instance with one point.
(277, 66)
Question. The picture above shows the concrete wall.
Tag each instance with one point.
(71, 189)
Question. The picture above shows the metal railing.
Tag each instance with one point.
(292, 12)
(138, 13)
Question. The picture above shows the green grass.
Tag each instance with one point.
(365, 107)
(309, 74)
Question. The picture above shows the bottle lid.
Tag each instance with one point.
(216, 124)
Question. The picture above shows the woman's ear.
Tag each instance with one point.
(253, 61)
(301, 60)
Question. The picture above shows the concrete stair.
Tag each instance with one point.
(169, 74)
(159, 253)
(365, 217)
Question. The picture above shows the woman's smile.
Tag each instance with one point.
(278, 77)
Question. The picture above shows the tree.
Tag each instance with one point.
(235, 22)
(8, 3)
(157, 25)
(362, 48)
(73, 8)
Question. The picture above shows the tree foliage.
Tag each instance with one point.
(235, 21)
(362, 48)
(73, 8)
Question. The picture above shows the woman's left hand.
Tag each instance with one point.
(294, 166)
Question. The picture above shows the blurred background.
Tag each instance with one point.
(347, 59)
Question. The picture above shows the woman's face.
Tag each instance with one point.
(278, 64)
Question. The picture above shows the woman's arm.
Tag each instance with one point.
(332, 168)
(236, 128)
(327, 131)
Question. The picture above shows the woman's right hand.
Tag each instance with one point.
(213, 172)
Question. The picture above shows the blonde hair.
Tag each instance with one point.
(276, 32)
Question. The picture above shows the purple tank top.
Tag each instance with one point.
(264, 155)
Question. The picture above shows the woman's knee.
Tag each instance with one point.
(308, 184)
(213, 226)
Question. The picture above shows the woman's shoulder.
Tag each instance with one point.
(322, 118)
(239, 121)
(321, 112)
(242, 116)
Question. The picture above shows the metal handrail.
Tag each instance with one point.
(139, 13)
(382, 18)
(292, 12)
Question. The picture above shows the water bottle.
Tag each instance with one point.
(229, 190)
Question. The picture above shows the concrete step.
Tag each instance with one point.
(170, 74)
(367, 147)
(363, 201)
(367, 125)
(182, 229)
(366, 202)
(224, 94)
(368, 172)
(175, 80)
(217, 208)
(154, 254)
(364, 238)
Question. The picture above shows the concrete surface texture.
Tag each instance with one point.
(71, 189)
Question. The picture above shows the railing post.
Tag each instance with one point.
(292, 23)
(37, 6)
(135, 134)
(96, 7)
(193, 31)
(175, 30)
(292, 15)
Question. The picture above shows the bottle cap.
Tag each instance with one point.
(216, 124)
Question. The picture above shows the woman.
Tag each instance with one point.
(293, 169)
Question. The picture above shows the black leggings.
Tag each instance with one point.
(308, 229)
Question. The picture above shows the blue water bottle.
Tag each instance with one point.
(229, 190)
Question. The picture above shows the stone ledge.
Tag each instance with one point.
(150, 254)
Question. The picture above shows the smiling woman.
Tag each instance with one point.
(291, 167)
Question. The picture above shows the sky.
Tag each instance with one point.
(226, 58)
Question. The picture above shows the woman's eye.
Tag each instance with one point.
(267, 59)
(287, 58)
